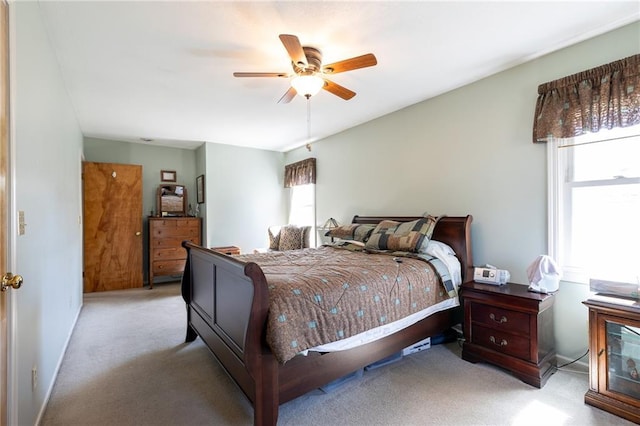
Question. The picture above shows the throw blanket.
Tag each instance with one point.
(321, 295)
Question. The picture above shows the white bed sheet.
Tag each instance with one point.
(384, 330)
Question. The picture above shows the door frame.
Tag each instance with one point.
(8, 391)
(4, 171)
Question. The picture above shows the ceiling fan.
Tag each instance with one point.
(309, 74)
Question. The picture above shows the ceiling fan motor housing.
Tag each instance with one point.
(314, 61)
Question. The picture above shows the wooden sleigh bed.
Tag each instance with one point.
(228, 306)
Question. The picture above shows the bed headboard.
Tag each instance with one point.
(452, 230)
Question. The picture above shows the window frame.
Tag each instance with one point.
(559, 193)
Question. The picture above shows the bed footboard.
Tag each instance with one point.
(227, 304)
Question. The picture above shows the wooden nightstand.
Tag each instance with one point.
(510, 327)
(230, 250)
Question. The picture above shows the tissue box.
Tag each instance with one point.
(615, 288)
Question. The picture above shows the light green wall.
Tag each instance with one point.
(244, 195)
(201, 169)
(47, 147)
(468, 151)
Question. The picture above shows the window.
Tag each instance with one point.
(594, 205)
(303, 207)
(301, 178)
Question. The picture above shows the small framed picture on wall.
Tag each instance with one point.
(167, 175)
(200, 189)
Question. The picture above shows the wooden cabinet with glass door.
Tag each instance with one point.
(614, 355)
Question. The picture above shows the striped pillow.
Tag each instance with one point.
(402, 236)
(353, 231)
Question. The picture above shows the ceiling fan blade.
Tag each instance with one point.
(338, 90)
(363, 61)
(294, 48)
(260, 74)
(288, 96)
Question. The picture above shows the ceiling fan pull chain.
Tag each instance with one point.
(308, 118)
(308, 123)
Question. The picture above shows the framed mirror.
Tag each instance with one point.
(171, 200)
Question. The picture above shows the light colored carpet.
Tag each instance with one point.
(127, 364)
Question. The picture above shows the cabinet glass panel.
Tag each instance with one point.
(623, 353)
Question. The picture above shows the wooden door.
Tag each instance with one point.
(112, 226)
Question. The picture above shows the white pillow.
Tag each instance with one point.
(446, 254)
(436, 248)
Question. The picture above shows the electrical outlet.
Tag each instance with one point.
(21, 224)
(34, 378)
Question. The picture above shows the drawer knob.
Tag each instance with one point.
(502, 320)
(503, 342)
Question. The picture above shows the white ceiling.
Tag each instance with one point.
(163, 69)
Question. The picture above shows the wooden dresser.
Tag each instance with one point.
(510, 327)
(166, 234)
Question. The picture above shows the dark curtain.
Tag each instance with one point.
(600, 98)
(300, 173)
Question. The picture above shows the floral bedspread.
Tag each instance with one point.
(321, 295)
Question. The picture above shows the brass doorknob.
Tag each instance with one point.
(10, 280)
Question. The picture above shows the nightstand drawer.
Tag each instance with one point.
(501, 319)
(506, 343)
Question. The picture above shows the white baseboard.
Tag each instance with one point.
(47, 396)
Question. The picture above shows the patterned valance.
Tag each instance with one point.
(601, 98)
(300, 173)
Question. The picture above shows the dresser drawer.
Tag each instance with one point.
(501, 319)
(187, 231)
(167, 267)
(173, 242)
(175, 223)
(169, 253)
(499, 341)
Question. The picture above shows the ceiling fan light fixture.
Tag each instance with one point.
(307, 85)
(308, 76)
